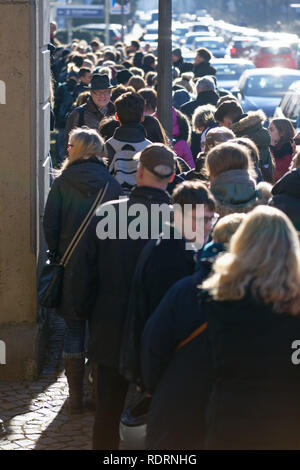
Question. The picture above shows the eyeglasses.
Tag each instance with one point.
(69, 146)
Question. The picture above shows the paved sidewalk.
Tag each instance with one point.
(35, 417)
(34, 413)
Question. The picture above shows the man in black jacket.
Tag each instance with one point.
(202, 66)
(177, 61)
(162, 263)
(207, 94)
(105, 267)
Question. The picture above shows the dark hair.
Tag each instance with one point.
(204, 53)
(126, 64)
(130, 107)
(155, 131)
(138, 59)
(230, 109)
(107, 127)
(83, 71)
(226, 98)
(118, 91)
(135, 44)
(150, 77)
(95, 42)
(193, 192)
(250, 145)
(285, 130)
(109, 55)
(150, 97)
(184, 127)
(148, 60)
(77, 59)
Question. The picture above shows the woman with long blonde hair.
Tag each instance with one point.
(71, 196)
(253, 317)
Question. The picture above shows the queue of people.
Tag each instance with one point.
(205, 330)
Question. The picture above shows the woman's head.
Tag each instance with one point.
(137, 82)
(264, 256)
(186, 80)
(84, 143)
(216, 136)
(203, 116)
(154, 130)
(225, 157)
(281, 131)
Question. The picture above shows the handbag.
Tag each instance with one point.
(51, 278)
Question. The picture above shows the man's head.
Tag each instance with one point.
(100, 90)
(202, 55)
(85, 75)
(134, 46)
(95, 45)
(129, 108)
(194, 193)
(176, 55)
(205, 83)
(150, 97)
(156, 166)
(123, 77)
(228, 112)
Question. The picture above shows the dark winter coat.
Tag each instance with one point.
(204, 97)
(91, 117)
(286, 196)
(180, 381)
(203, 69)
(251, 126)
(183, 66)
(255, 398)
(161, 264)
(105, 269)
(283, 155)
(69, 200)
(63, 101)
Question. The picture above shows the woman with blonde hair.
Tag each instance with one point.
(253, 318)
(72, 194)
(232, 178)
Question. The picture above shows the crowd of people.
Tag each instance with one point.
(203, 336)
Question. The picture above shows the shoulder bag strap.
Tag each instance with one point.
(84, 225)
(193, 335)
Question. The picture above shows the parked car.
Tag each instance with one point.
(289, 106)
(199, 27)
(230, 70)
(264, 88)
(190, 38)
(215, 45)
(241, 47)
(270, 54)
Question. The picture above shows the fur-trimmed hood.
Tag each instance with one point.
(251, 119)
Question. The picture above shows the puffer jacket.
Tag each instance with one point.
(251, 126)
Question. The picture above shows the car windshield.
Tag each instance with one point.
(209, 44)
(190, 40)
(230, 71)
(268, 85)
(200, 27)
(275, 50)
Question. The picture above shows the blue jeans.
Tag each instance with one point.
(75, 336)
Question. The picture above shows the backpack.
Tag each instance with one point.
(122, 167)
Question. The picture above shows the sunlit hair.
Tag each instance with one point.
(217, 135)
(203, 116)
(263, 259)
(285, 129)
(82, 98)
(86, 143)
(137, 82)
(186, 80)
(228, 156)
(295, 162)
(226, 227)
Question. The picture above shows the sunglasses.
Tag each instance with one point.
(296, 140)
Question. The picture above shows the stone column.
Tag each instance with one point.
(24, 178)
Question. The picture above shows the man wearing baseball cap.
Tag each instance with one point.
(103, 273)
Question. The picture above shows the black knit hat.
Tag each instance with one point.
(177, 52)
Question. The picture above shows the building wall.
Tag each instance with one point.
(24, 124)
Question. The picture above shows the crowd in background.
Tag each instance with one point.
(202, 337)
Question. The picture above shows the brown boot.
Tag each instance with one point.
(74, 365)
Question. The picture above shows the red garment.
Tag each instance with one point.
(283, 155)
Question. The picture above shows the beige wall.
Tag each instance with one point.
(24, 144)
